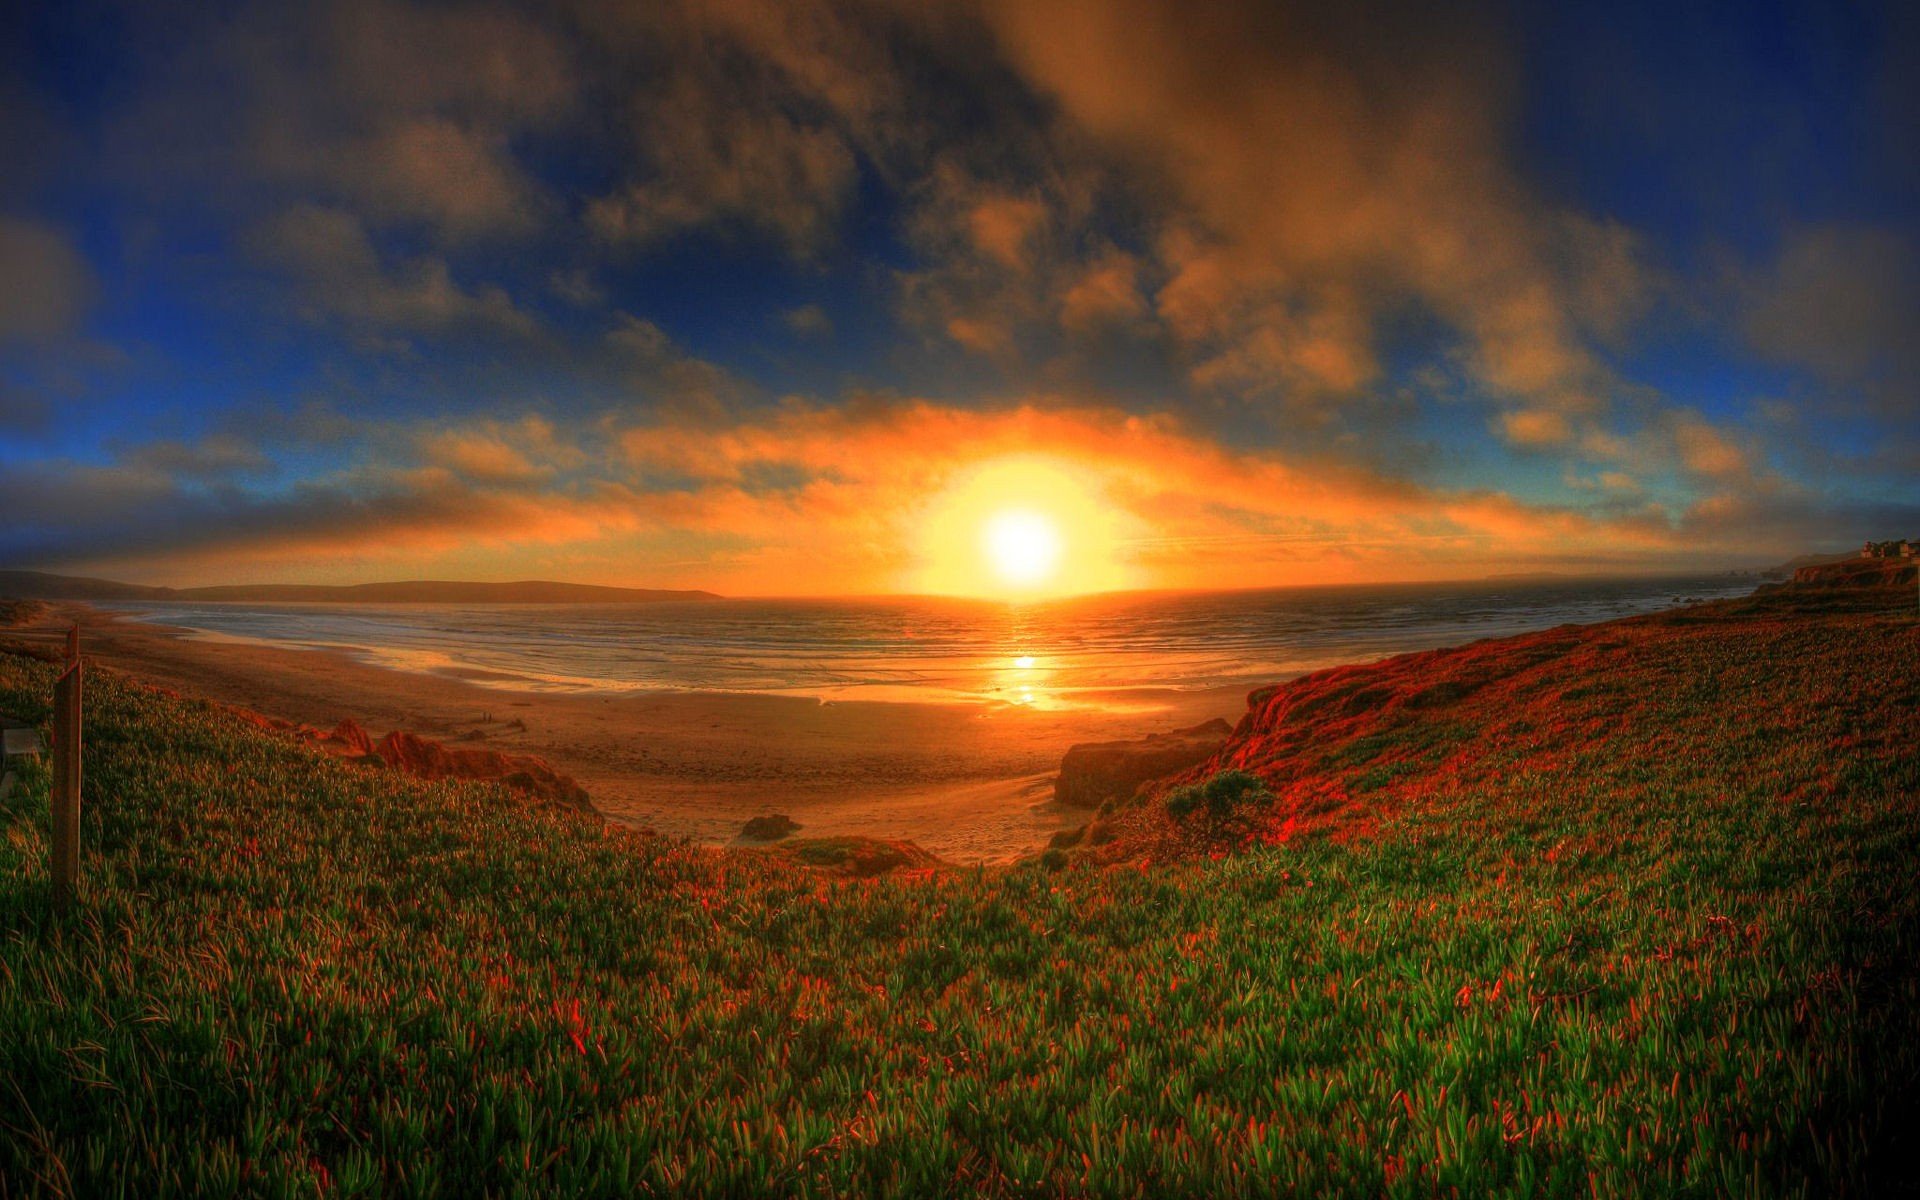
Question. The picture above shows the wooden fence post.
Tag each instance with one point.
(66, 781)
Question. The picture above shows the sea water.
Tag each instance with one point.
(1090, 651)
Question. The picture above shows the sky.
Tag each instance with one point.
(797, 297)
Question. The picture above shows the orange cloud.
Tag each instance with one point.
(1710, 452)
(1535, 427)
(1106, 293)
(492, 452)
(869, 496)
(1202, 514)
(1328, 169)
(1001, 226)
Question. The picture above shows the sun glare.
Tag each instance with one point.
(1022, 527)
(1024, 547)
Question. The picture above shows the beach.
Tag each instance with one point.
(935, 721)
(970, 782)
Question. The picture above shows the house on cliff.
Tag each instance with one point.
(1905, 548)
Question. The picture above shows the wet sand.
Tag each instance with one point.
(971, 782)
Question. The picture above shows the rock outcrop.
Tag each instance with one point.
(1093, 773)
(423, 758)
(414, 755)
(352, 740)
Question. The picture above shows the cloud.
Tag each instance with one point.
(1254, 516)
(710, 166)
(657, 370)
(74, 514)
(215, 457)
(1329, 168)
(745, 117)
(804, 498)
(22, 412)
(432, 169)
(1535, 428)
(577, 287)
(1003, 226)
(1107, 293)
(1265, 270)
(1005, 269)
(1712, 453)
(1844, 302)
(344, 276)
(1311, 360)
(1257, 195)
(46, 285)
(808, 320)
(403, 113)
(491, 453)
(413, 117)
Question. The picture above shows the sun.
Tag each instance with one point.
(1021, 527)
(1023, 546)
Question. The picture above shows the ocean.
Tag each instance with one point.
(1098, 651)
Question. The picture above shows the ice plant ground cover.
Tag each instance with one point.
(1609, 921)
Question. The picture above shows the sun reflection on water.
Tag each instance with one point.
(1023, 680)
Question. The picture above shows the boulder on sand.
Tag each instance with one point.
(768, 829)
(1093, 773)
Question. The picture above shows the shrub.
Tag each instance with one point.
(1221, 796)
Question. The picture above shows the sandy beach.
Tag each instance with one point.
(969, 782)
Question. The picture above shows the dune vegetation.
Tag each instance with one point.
(1621, 909)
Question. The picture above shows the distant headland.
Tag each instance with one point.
(39, 585)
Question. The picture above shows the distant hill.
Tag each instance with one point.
(39, 585)
(439, 591)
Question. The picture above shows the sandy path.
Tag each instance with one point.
(970, 782)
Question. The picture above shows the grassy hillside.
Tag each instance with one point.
(1657, 935)
(1791, 696)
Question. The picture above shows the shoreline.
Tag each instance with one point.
(969, 782)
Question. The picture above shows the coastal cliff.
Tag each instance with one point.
(1859, 573)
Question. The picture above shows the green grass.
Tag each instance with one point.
(1680, 961)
